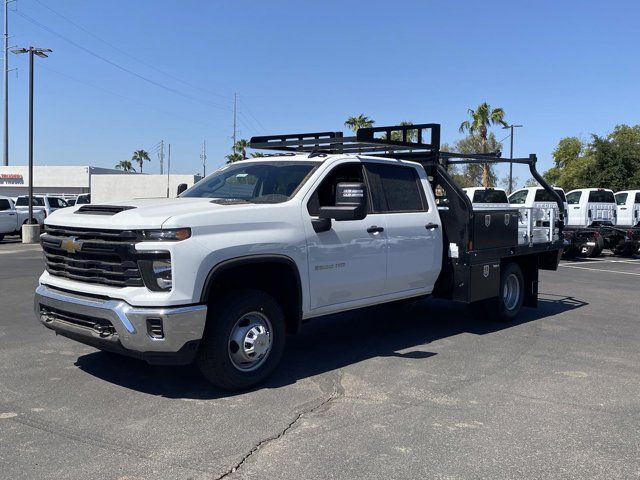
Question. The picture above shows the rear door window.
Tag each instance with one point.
(57, 202)
(398, 188)
(601, 196)
(4, 204)
(24, 202)
(573, 198)
(637, 197)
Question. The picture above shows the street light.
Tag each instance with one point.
(511, 155)
(42, 53)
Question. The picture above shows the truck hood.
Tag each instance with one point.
(141, 213)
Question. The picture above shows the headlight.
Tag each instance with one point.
(157, 274)
(170, 234)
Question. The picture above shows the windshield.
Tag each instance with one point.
(490, 196)
(253, 182)
(57, 202)
(24, 202)
(83, 199)
(621, 198)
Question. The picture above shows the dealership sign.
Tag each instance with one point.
(11, 178)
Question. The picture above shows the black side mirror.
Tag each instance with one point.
(351, 203)
(181, 188)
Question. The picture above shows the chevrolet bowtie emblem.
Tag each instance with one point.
(71, 245)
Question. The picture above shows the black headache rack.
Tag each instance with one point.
(475, 242)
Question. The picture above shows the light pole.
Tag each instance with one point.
(42, 53)
(511, 156)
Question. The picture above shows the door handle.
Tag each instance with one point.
(431, 226)
(576, 208)
(11, 214)
(375, 229)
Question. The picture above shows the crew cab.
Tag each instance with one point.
(11, 220)
(595, 210)
(47, 203)
(220, 274)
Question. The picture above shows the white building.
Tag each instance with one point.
(14, 180)
(112, 188)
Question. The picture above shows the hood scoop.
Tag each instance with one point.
(101, 209)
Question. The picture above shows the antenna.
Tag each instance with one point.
(168, 169)
(203, 158)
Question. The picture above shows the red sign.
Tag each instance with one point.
(11, 176)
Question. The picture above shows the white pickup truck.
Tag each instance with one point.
(594, 211)
(222, 273)
(487, 197)
(11, 220)
(628, 207)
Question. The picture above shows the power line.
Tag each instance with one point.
(133, 100)
(252, 115)
(124, 52)
(116, 65)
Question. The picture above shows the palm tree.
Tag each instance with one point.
(241, 147)
(140, 156)
(397, 136)
(234, 157)
(361, 121)
(257, 154)
(480, 120)
(125, 165)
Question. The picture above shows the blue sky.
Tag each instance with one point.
(560, 68)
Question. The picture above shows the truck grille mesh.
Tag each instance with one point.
(105, 257)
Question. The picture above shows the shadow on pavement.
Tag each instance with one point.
(327, 344)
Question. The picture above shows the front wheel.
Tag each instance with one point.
(244, 340)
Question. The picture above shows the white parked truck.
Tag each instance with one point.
(594, 211)
(11, 220)
(47, 203)
(628, 208)
(487, 197)
(220, 275)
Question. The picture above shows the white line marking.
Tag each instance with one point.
(602, 260)
(11, 252)
(601, 270)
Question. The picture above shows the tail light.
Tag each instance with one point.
(589, 213)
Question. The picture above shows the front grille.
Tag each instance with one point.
(101, 326)
(106, 257)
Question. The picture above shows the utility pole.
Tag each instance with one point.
(511, 156)
(29, 233)
(6, 83)
(235, 104)
(161, 155)
(203, 158)
(168, 169)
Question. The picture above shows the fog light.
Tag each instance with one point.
(157, 274)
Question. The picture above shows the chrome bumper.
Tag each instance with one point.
(129, 332)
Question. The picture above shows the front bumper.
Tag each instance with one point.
(116, 326)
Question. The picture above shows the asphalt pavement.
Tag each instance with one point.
(384, 393)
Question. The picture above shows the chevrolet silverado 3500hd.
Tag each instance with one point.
(222, 273)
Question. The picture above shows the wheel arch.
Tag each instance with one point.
(276, 274)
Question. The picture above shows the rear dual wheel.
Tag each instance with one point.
(507, 305)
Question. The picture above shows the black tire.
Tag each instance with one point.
(496, 309)
(225, 317)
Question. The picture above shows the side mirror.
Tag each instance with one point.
(181, 188)
(351, 203)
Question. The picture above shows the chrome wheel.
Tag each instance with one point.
(511, 292)
(250, 341)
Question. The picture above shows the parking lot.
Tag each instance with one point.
(391, 392)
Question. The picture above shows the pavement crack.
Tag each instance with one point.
(336, 392)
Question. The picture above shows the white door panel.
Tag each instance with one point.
(7, 221)
(346, 263)
(414, 252)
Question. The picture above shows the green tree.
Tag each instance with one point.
(358, 122)
(257, 154)
(473, 174)
(125, 165)
(478, 124)
(241, 147)
(140, 156)
(234, 157)
(396, 136)
(616, 159)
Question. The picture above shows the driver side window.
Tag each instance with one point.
(325, 194)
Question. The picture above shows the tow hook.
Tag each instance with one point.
(103, 330)
(47, 318)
